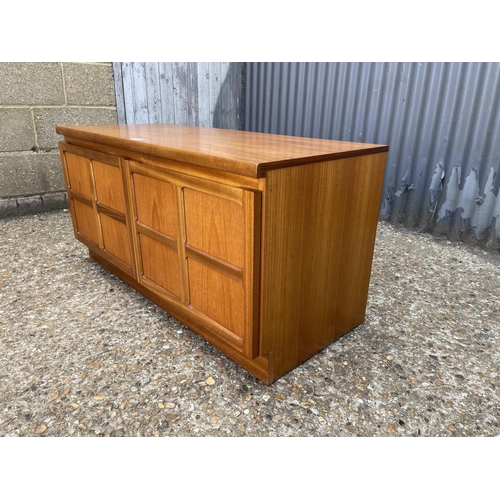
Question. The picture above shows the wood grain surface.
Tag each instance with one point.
(109, 186)
(79, 175)
(215, 226)
(246, 153)
(261, 244)
(319, 233)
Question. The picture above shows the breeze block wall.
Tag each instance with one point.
(34, 98)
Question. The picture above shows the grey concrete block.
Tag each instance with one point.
(46, 120)
(16, 129)
(30, 173)
(31, 83)
(89, 84)
(54, 201)
(29, 205)
(8, 208)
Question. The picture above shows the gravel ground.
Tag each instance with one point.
(82, 354)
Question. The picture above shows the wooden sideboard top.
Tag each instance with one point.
(246, 153)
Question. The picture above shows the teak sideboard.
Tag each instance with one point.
(262, 244)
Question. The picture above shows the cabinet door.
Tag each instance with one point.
(154, 201)
(198, 244)
(97, 202)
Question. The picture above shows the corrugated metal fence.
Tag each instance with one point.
(441, 121)
(208, 94)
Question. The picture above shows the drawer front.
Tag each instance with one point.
(98, 204)
(198, 244)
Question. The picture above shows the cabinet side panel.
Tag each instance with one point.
(319, 233)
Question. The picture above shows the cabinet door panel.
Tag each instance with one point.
(216, 226)
(109, 186)
(85, 221)
(98, 202)
(160, 265)
(155, 204)
(223, 250)
(78, 169)
(198, 245)
(116, 239)
(217, 296)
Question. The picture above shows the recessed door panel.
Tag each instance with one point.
(86, 224)
(116, 239)
(217, 296)
(79, 174)
(155, 204)
(160, 265)
(216, 226)
(109, 186)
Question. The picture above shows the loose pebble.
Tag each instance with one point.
(40, 429)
